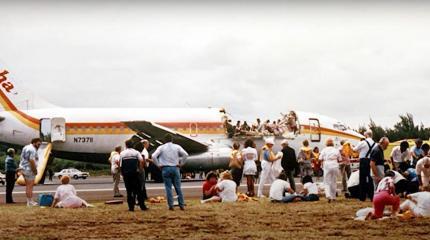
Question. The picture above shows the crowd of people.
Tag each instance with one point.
(384, 181)
(288, 123)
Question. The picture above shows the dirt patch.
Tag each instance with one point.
(251, 220)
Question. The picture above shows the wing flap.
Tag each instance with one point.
(155, 133)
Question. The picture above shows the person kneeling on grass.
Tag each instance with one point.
(418, 204)
(209, 186)
(385, 195)
(310, 190)
(281, 191)
(65, 196)
(226, 190)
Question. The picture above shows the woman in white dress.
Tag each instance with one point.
(330, 157)
(65, 196)
(249, 156)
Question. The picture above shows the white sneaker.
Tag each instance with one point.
(32, 204)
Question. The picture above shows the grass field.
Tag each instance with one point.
(246, 220)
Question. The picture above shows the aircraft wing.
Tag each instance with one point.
(155, 134)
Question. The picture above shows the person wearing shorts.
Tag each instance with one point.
(28, 164)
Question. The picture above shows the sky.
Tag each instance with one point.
(350, 61)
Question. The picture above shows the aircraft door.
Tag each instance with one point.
(314, 130)
(58, 130)
(53, 130)
(45, 129)
(194, 130)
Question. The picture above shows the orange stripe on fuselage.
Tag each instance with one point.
(328, 131)
(24, 118)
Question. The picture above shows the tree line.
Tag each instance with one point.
(405, 128)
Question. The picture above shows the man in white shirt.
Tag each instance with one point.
(400, 154)
(423, 167)
(168, 157)
(366, 182)
(279, 188)
(115, 169)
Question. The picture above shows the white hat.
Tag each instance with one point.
(284, 142)
(270, 141)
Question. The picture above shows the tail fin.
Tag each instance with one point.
(14, 98)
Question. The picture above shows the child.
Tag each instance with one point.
(385, 195)
(310, 190)
(226, 190)
(279, 188)
(209, 186)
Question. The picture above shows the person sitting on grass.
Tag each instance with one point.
(385, 195)
(209, 186)
(65, 196)
(281, 191)
(310, 190)
(418, 203)
(226, 190)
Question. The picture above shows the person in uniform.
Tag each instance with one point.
(330, 157)
(267, 159)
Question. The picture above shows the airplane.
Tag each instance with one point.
(90, 134)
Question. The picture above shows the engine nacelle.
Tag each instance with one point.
(215, 158)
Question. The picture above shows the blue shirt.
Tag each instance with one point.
(412, 177)
(10, 165)
(169, 155)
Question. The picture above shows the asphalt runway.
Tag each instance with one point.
(96, 189)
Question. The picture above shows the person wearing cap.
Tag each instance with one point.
(289, 162)
(267, 159)
(10, 168)
(423, 168)
(330, 157)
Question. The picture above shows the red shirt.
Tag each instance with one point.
(206, 187)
